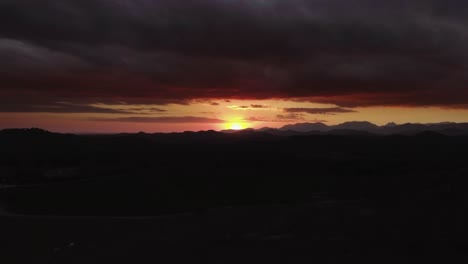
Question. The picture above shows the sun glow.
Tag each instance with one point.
(235, 125)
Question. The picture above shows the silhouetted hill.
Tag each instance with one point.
(350, 132)
(24, 132)
(292, 189)
(152, 173)
(430, 134)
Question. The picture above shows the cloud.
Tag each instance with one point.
(249, 107)
(58, 107)
(319, 111)
(279, 118)
(257, 119)
(53, 105)
(257, 106)
(349, 53)
(151, 109)
(289, 117)
(167, 119)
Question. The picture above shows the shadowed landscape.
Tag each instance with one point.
(232, 196)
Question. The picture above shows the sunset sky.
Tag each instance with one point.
(106, 66)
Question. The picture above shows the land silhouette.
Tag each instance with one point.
(304, 192)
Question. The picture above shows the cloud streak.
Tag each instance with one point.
(249, 107)
(319, 111)
(59, 107)
(165, 120)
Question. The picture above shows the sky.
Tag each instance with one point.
(108, 66)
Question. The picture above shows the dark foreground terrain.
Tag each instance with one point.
(246, 197)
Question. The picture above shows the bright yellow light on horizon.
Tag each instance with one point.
(236, 125)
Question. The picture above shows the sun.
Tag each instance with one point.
(236, 126)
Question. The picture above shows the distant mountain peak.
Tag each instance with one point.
(305, 127)
(357, 125)
(444, 128)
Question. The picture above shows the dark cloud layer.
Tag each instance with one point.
(351, 53)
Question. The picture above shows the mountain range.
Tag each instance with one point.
(347, 128)
(364, 127)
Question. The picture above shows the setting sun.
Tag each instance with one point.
(235, 125)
